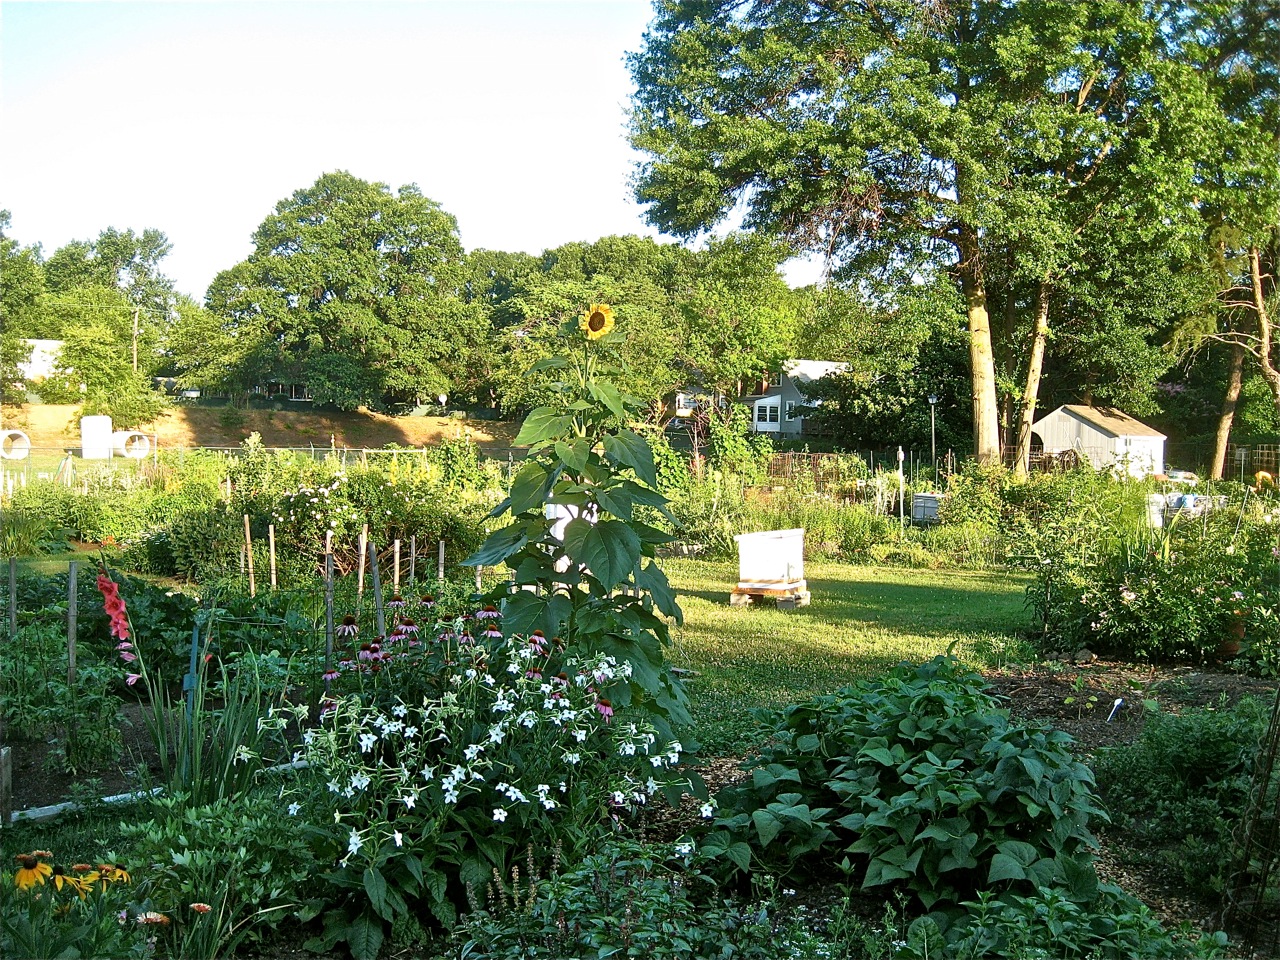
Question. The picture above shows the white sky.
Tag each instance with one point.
(196, 118)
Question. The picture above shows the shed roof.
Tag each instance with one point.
(1109, 420)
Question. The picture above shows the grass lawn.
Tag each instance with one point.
(862, 621)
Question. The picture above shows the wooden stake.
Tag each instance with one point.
(328, 606)
(396, 569)
(6, 787)
(13, 597)
(73, 569)
(248, 552)
(379, 611)
(271, 551)
(440, 563)
(362, 550)
(479, 571)
(413, 559)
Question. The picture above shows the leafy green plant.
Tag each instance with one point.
(625, 900)
(918, 779)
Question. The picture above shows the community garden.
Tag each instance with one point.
(486, 710)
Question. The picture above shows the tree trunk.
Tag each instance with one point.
(1031, 392)
(1234, 380)
(1269, 371)
(986, 413)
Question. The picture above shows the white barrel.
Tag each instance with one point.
(14, 445)
(131, 444)
(95, 438)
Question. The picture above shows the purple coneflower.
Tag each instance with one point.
(348, 627)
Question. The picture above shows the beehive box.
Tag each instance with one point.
(771, 564)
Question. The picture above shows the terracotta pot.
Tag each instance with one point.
(1228, 648)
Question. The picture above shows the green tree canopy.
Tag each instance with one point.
(354, 289)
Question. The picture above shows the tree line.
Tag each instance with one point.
(1020, 203)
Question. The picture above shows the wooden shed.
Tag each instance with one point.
(1105, 437)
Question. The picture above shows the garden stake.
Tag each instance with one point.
(479, 570)
(413, 558)
(395, 576)
(73, 569)
(379, 612)
(189, 688)
(248, 552)
(271, 551)
(440, 564)
(364, 544)
(328, 610)
(6, 786)
(13, 596)
(1116, 706)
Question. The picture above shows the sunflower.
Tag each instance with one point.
(31, 870)
(597, 321)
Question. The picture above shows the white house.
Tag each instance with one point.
(1105, 436)
(773, 410)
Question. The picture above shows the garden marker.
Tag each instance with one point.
(1116, 706)
(395, 579)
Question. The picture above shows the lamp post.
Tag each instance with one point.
(933, 431)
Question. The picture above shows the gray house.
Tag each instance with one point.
(772, 411)
(1105, 436)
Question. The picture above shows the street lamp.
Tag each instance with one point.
(933, 431)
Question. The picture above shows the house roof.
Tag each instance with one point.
(805, 371)
(1108, 420)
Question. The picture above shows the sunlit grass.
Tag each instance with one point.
(861, 622)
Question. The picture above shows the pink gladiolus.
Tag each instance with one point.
(132, 678)
(127, 657)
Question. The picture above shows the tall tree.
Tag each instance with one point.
(356, 290)
(901, 131)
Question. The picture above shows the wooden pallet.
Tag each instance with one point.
(789, 594)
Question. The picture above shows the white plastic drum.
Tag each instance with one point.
(131, 444)
(95, 438)
(14, 445)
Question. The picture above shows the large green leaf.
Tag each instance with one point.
(542, 424)
(529, 488)
(630, 449)
(498, 546)
(652, 579)
(606, 393)
(573, 454)
(525, 611)
(609, 549)
(364, 937)
(767, 826)
(375, 885)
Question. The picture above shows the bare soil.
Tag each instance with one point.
(58, 426)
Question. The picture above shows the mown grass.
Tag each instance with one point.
(862, 621)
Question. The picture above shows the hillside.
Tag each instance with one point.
(57, 425)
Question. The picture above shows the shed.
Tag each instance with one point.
(1105, 436)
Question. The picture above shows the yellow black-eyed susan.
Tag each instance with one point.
(31, 871)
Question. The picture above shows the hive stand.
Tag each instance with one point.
(789, 594)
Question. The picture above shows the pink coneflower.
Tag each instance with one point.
(348, 627)
(396, 602)
(369, 651)
(534, 674)
(605, 708)
(491, 633)
(490, 612)
(465, 638)
(330, 675)
(406, 627)
(428, 601)
(201, 907)
(538, 641)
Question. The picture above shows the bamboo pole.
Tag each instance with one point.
(362, 550)
(73, 570)
(479, 572)
(13, 596)
(440, 564)
(6, 787)
(271, 551)
(379, 611)
(248, 552)
(328, 607)
(413, 559)
(395, 579)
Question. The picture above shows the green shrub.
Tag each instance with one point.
(1184, 786)
(627, 900)
(918, 779)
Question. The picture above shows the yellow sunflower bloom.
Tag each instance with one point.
(31, 871)
(597, 321)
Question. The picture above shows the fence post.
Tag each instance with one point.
(362, 550)
(13, 596)
(6, 786)
(395, 580)
(73, 570)
(328, 608)
(440, 563)
(271, 551)
(479, 570)
(413, 559)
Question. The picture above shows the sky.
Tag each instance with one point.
(196, 118)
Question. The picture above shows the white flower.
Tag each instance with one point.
(294, 808)
(496, 733)
(580, 735)
(428, 773)
(499, 814)
(354, 843)
(409, 800)
(410, 732)
(651, 785)
(573, 758)
(399, 838)
(685, 848)
(707, 810)
(367, 740)
(473, 751)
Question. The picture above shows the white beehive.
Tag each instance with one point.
(95, 438)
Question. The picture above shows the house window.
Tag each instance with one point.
(791, 409)
(767, 413)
